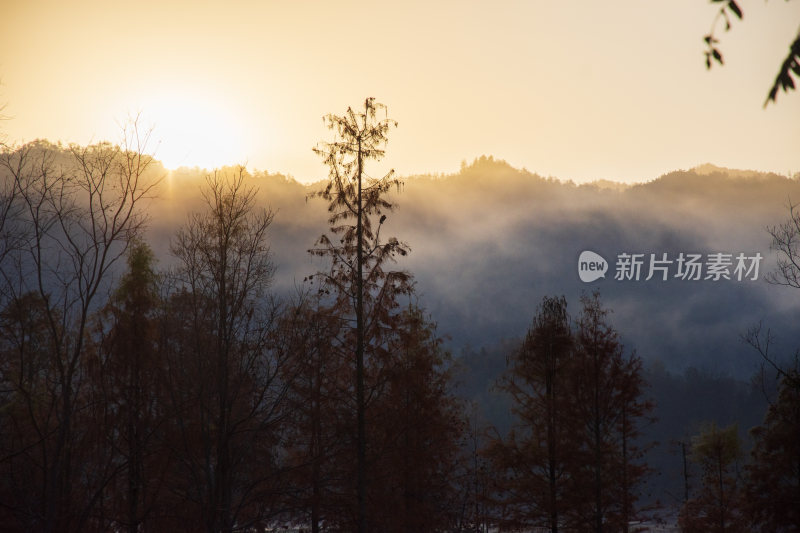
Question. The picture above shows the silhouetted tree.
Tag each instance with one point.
(717, 506)
(27, 415)
(126, 393)
(414, 432)
(791, 64)
(574, 459)
(320, 382)
(609, 406)
(12, 231)
(364, 292)
(772, 491)
(533, 463)
(634, 411)
(79, 219)
(474, 479)
(225, 384)
(786, 242)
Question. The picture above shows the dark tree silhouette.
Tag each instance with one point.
(224, 378)
(786, 242)
(772, 491)
(532, 463)
(475, 477)
(80, 217)
(773, 477)
(414, 424)
(364, 291)
(717, 506)
(126, 394)
(573, 459)
(415, 430)
(609, 405)
(791, 64)
(320, 379)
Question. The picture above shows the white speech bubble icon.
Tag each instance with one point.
(591, 266)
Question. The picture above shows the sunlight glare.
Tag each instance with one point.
(194, 132)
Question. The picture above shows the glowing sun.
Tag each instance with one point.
(193, 131)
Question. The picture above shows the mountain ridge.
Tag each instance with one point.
(488, 242)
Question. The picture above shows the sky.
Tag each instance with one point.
(576, 90)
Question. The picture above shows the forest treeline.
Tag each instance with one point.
(192, 398)
(489, 240)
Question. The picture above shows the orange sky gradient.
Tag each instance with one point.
(577, 90)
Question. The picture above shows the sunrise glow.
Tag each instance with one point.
(579, 91)
(417, 266)
(191, 131)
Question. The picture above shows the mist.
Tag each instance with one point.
(487, 243)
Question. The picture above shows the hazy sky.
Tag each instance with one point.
(580, 90)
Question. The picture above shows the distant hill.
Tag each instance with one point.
(707, 169)
(489, 241)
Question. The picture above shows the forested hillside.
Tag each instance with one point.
(173, 355)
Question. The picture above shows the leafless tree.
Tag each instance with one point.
(786, 242)
(74, 213)
(762, 342)
(227, 390)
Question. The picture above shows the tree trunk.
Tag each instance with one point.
(362, 437)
